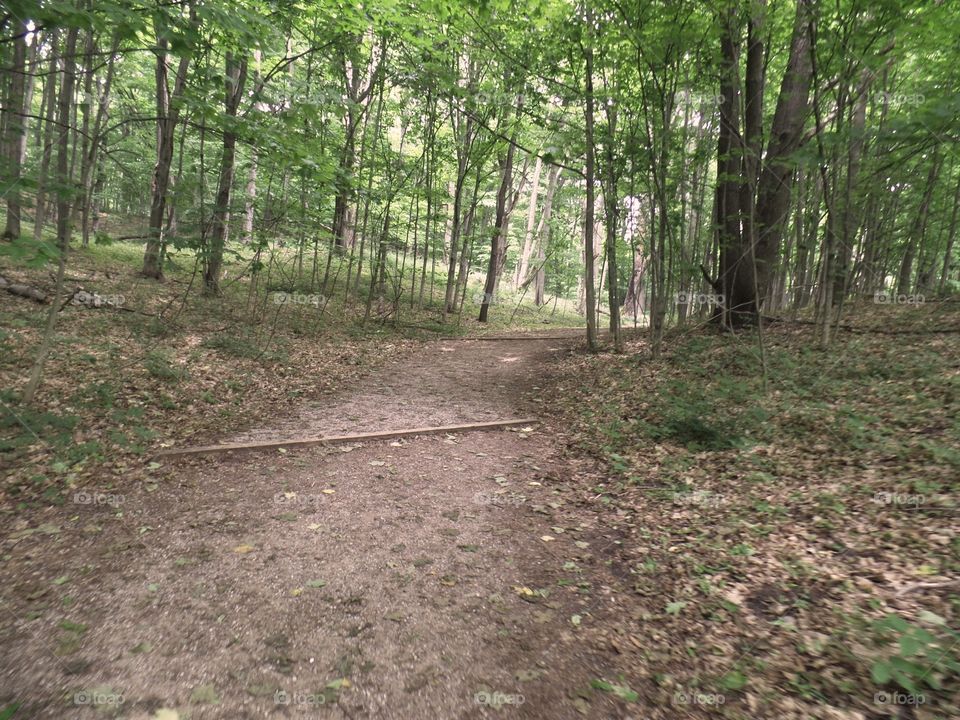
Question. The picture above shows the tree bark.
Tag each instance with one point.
(497, 237)
(588, 220)
(63, 213)
(736, 273)
(525, 251)
(786, 135)
(235, 79)
(48, 110)
(15, 132)
(168, 115)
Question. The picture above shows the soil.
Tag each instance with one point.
(411, 578)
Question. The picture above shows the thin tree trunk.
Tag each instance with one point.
(15, 131)
(588, 222)
(168, 114)
(49, 102)
(951, 237)
(905, 276)
(497, 238)
(236, 76)
(527, 249)
(63, 213)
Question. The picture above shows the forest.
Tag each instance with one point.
(468, 358)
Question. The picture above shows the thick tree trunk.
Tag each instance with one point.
(736, 271)
(750, 167)
(786, 134)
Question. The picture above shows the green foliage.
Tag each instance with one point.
(923, 658)
(231, 344)
(699, 421)
(161, 364)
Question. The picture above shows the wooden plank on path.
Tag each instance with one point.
(335, 439)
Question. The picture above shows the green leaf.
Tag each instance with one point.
(71, 626)
(7, 712)
(931, 618)
(881, 672)
(733, 680)
(621, 691)
(674, 608)
(205, 694)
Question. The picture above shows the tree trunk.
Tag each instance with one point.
(527, 249)
(15, 132)
(236, 76)
(497, 238)
(588, 220)
(168, 113)
(736, 272)
(612, 225)
(48, 110)
(951, 237)
(63, 212)
(905, 276)
(786, 133)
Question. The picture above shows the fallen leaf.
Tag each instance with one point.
(205, 694)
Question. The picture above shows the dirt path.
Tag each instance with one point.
(419, 578)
